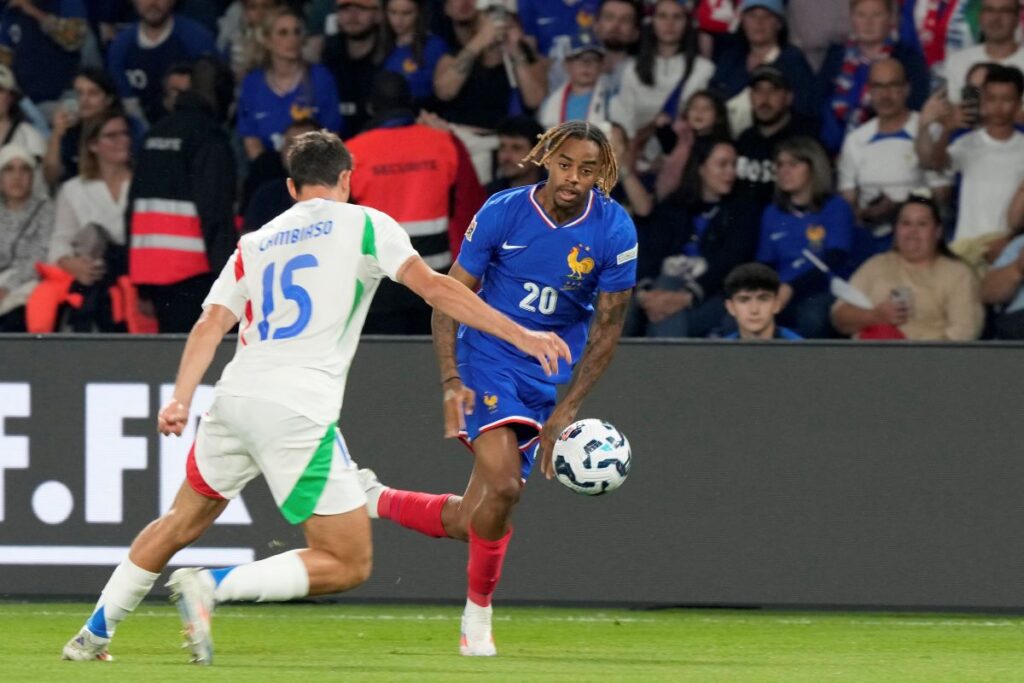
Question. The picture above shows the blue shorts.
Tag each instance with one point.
(508, 398)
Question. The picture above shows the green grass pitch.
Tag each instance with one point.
(345, 642)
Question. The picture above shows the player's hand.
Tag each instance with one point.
(172, 418)
(559, 420)
(546, 347)
(458, 403)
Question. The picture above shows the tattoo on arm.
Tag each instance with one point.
(444, 328)
(605, 331)
(464, 62)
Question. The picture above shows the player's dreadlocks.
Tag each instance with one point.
(549, 142)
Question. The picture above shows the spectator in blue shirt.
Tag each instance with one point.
(410, 50)
(807, 214)
(752, 298)
(142, 53)
(552, 23)
(285, 89)
(45, 38)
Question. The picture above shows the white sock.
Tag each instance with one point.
(127, 586)
(274, 579)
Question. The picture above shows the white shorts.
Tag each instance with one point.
(306, 464)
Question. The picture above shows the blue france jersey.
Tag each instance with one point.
(543, 276)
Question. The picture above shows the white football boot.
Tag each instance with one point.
(476, 640)
(192, 593)
(86, 647)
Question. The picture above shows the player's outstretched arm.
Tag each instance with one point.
(458, 398)
(206, 335)
(605, 330)
(456, 300)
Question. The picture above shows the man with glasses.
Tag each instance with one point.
(998, 21)
(350, 55)
(878, 167)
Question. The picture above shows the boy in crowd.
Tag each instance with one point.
(752, 298)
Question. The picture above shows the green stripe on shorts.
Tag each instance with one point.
(301, 502)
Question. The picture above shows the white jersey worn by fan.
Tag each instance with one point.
(301, 287)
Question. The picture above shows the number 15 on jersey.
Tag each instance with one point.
(290, 291)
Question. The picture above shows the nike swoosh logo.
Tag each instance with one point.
(544, 21)
(776, 236)
(510, 247)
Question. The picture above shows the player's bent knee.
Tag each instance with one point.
(505, 492)
(351, 573)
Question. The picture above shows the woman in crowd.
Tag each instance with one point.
(26, 223)
(16, 130)
(238, 38)
(807, 215)
(91, 210)
(919, 289)
(703, 116)
(843, 79)
(285, 88)
(668, 61)
(694, 239)
(410, 50)
(95, 96)
(761, 40)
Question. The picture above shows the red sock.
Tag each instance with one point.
(484, 567)
(414, 510)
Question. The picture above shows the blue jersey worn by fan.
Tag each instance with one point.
(544, 276)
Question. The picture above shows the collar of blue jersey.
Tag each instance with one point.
(901, 134)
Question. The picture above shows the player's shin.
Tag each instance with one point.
(414, 510)
(125, 589)
(274, 579)
(484, 567)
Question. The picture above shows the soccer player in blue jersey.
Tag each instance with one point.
(558, 256)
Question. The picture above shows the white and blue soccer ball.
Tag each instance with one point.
(591, 457)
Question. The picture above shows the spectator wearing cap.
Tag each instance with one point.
(44, 38)
(352, 55)
(843, 79)
(410, 49)
(143, 52)
(617, 29)
(26, 223)
(918, 289)
(761, 41)
(998, 21)
(807, 215)
(878, 166)
(422, 177)
(585, 96)
(990, 160)
(285, 88)
(516, 137)
(771, 99)
(16, 130)
(668, 61)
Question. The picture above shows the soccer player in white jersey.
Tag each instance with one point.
(299, 288)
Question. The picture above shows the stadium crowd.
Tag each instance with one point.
(875, 141)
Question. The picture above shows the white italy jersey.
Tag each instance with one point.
(301, 286)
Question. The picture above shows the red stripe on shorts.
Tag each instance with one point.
(195, 479)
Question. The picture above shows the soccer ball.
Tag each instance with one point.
(591, 457)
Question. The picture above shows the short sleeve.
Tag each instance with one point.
(618, 272)
(957, 152)
(839, 224)
(482, 238)
(848, 166)
(391, 243)
(229, 290)
(116, 57)
(1009, 254)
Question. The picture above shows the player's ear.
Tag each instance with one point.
(292, 190)
(345, 184)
